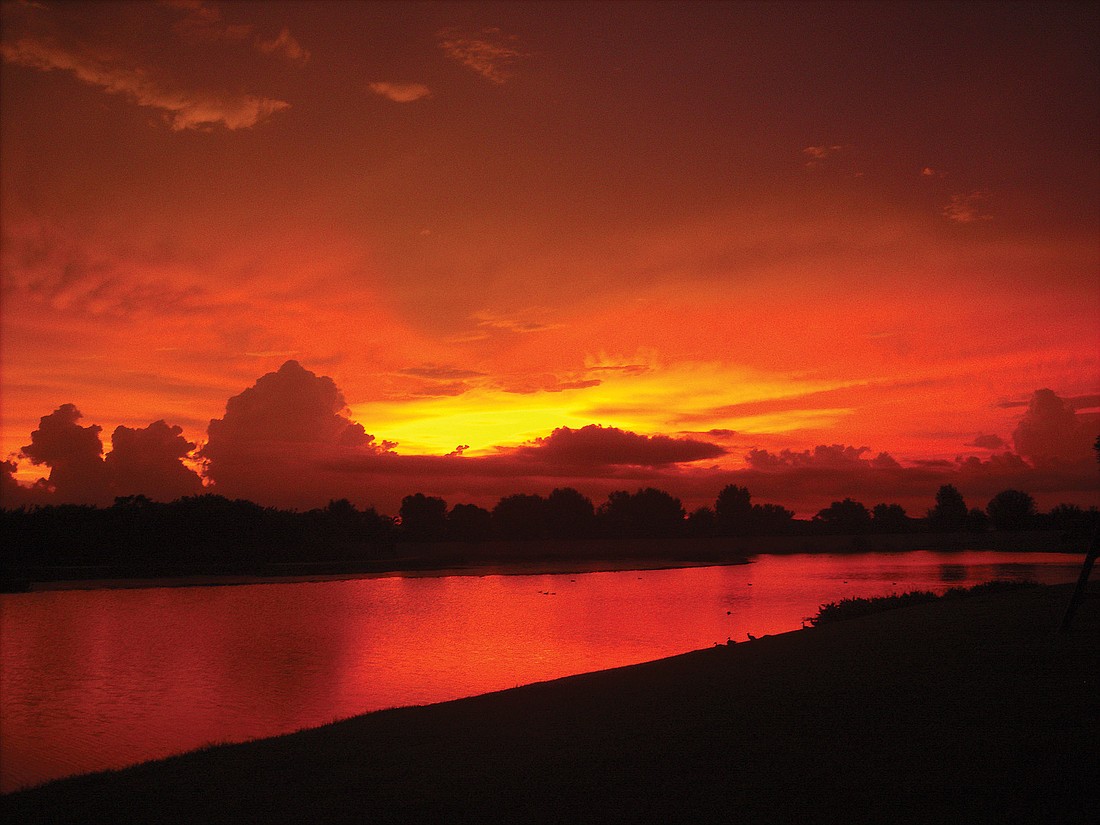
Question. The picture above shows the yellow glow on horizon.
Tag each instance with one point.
(683, 397)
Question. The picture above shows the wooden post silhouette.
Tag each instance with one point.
(1082, 581)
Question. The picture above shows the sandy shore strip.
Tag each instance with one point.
(976, 710)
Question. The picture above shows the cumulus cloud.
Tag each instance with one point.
(182, 108)
(400, 92)
(12, 493)
(273, 434)
(596, 445)
(284, 44)
(149, 461)
(290, 406)
(968, 207)
(74, 455)
(489, 52)
(1051, 431)
(145, 461)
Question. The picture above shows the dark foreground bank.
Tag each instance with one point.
(975, 710)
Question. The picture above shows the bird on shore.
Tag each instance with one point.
(751, 637)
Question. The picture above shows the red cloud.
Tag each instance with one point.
(598, 446)
(269, 444)
(287, 441)
(148, 461)
(73, 454)
(834, 457)
(1051, 432)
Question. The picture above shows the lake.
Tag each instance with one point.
(95, 679)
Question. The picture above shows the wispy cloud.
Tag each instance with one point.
(490, 52)
(968, 208)
(286, 45)
(181, 108)
(491, 320)
(203, 22)
(401, 92)
(441, 372)
(816, 154)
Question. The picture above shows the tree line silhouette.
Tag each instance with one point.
(212, 534)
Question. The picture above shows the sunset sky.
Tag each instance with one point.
(816, 249)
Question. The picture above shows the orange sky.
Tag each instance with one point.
(759, 227)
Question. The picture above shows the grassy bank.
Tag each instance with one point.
(969, 710)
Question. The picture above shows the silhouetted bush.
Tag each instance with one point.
(853, 608)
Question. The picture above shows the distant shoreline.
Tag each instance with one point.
(474, 570)
(502, 558)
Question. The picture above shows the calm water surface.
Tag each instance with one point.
(97, 679)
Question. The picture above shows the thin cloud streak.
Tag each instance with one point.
(489, 52)
(400, 92)
(286, 45)
(182, 109)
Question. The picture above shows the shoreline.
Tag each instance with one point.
(974, 710)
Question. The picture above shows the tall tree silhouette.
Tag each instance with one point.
(569, 514)
(423, 518)
(520, 516)
(1011, 510)
(845, 516)
(733, 510)
(950, 513)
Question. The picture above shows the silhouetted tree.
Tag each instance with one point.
(520, 516)
(977, 521)
(890, 518)
(569, 514)
(950, 512)
(648, 512)
(733, 510)
(1011, 510)
(701, 523)
(1068, 517)
(845, 516)
(771, 520)
(340, 520)
(468, 522)
(423, 518)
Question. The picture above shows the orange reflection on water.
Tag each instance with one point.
(99, 679)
